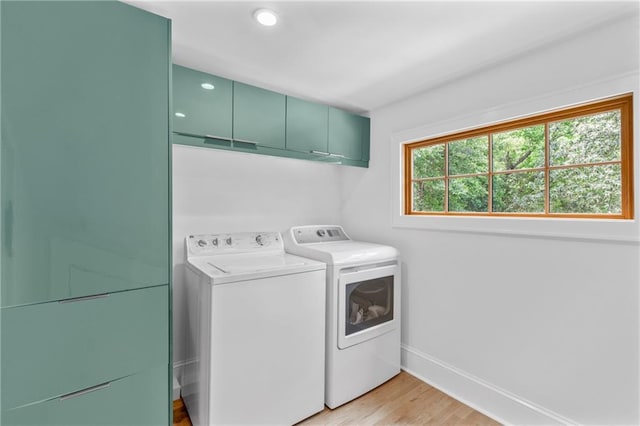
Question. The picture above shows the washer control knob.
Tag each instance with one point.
(320, 232)
(202, 243)
(260, 240)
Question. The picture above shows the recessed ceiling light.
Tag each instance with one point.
(266, 17)
(207, 86)
(179, 114)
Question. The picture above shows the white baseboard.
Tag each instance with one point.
(176, 388)
(484, 397)
(178, 367)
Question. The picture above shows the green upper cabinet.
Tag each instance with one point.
(84, 150)
(202, 104)
(231, 115)
(347, 134)
(366, 138)
(307, 126)
(258, 116)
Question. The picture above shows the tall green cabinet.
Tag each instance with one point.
(85, 288)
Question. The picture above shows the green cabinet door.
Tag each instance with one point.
(345, 134)
(139, 399)
(258, 116)
(366, 138)
(84, 150)
(307, 126)
(202, 104)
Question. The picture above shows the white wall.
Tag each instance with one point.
(222, 191)
(526, 326)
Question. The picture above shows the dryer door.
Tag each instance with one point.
(368, 303)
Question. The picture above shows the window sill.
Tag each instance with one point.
(597, 230)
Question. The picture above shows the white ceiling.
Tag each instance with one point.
(361, 55)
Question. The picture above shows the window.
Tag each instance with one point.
(572, 163)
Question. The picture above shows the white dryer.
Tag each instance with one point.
(363, 309)
(256, 331)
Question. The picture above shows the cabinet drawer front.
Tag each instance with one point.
(140, 399)
(51, 349)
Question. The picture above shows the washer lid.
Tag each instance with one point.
(242, 267)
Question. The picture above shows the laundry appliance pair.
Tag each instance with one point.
(278, 325)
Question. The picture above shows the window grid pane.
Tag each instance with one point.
(428, 196)
(585, 140)
(587, 190)
(468, 156)
(522, 148)
(469, 194)
(429, 161)
(519, 192)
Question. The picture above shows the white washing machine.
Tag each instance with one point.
(363, 309)
(256, 331)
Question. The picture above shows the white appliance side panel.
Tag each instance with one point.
(267, 347)
(197, 341)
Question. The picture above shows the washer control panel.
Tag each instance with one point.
(208, 244)
(319, 234)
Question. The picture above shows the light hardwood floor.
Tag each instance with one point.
(403, 400)
(180, 415)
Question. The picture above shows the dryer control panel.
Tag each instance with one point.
(238, 242)
(319, 234)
